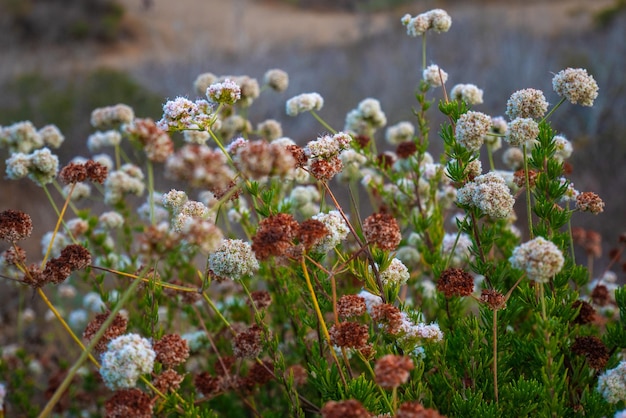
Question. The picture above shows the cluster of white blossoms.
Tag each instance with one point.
(270, 129)
(41, 166)
(471, 129)
(24, 137)
(190, 212)
(396, 274)
(328, 146)
(612, 384)
(576, 86)
(276, 79)
(181, 113)
(469, 93)
(527, 103)
(305, 200)
(522, 131)
(434, 75)
(437, 19)
(337, 231)
(563, 147)
(304, 102)
(127, 180)
(226, 92)
(118, 114)
(513, 158)
(400, 132)
(352, 161)
(100, 139)
(539, 258)
(233, 259)
(461, 252)
(126, 359)
(413, 334)
(366, 118)
(489, 193)
(111, 220)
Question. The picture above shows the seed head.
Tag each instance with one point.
(593, 349)
(493, 299)
(589, 202)
(382, 230)
(391, 370)
(15, 225)
(171, 350)
(129, 403)
(344, 409)
(455, 282)
(349, 335)
(247, 344)
(350, 306)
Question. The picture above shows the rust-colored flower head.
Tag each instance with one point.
(129, 403)
(349, 306)
(73, 173)
(311, 232)
(593, 349)
(258, 375)
(57, 270)
(300, 375)
(416, 410)
(325, 170)
(492, 298)
(298, 155)
(208, 385)
(455, 282)
(171, 350)
(350, 408)
(117, 328)
(405, 149)
(274, 236)
(15, 225)
(248, 344)
(14, 256)
(519, 178)
(96, 172)
(391, 370)
(261, 299)
(76, 256)
(168, 380)
(33, 276)
(601, 295)
(349, 335)
(385, 160)
(387, 315)
(382, 230)
(589, 202)
(586, 314)
(223, 365)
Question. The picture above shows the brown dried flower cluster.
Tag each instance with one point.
(586, 314)
(73, 257)
(349, 335)
(310, 232)
(385, 160)
(260, 159)
(593, 349)
(349, 306)
(90, 170)
(492, 298)
(300, 374)
(157, 143)
(274, 236)
(258, 375)
(601, 295)
(589, 240)
(589, 202)
(168, 380)
(519, 178)
(389, 316)
(129, 403)
(171, 350)
(298, 155)
(405, 149)
(350, 408)
(15, 225)
(416, 410)
(325, 170)
(117, 328)
(261, 299)
(455, 282)
(248, 344)
(382, 230)
(391, 370)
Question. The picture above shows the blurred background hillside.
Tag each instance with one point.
(62, 58)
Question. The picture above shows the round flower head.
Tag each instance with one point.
(270, 129)
(576, 86)
(439, 20)
(612, 384)
(527, 103)
(490, 194)
(469, 93)
(203, 81)
(227, 92)
(21, 137)
(337, 231)
(44, 166)
(51, 136)
(395, 275)
(564, 148)
(304, 103)
(98, 140)
(471, 129)
(434, 75)
(233, 259)
(513, 158)
(399, 133)
(416, 26)
(112, 115)
(18, 166)
(539, 258)
(276, 79)
(522, 131)
(126, 359)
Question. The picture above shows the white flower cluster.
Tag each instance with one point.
(233, 259)
(400, 132)
(434, 75)
(469, 93)
(576, 86)
(203, 81)
(612, 384)
(305, 199)
(395, 275)
(304, 102)
(98, 140)
(527, 103)
(182, 113)
(126, 359)
(489, 193)
(522, 131)
(564, 148)
(462, 253)
(539, 258)
(41, 166)
(337, 231)
(127, 180)
(276, 79)
(111, 220)
(437, 19)
(352, 161)
(190, 212)
(366, 118)
(226, 92)
(174, 200)
(21, 137)
(412, 333)
(196, 340)
(112, 115)
(60, 241)
(471, 129)
(328, 146)
(270, 129)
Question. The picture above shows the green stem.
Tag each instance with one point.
(56, 228)
(571, 238)
(217, 312)
(556, 106)
(118, 160)
(150, 170)
(492, 166)
(528, 202)
(542, 295)
(51, 200)
(423, 51)
(495, 354)
(323, 122)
